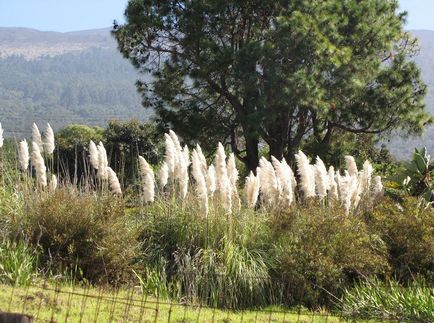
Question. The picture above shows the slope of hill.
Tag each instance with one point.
(61, 78)
(31, 43)
(403, 147)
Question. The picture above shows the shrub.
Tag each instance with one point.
(408, 231)
(320, 251)
(18, 263)
(80, 230)
(374, 299)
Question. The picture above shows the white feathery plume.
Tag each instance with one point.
(355, 191)
(321, 178)
(23, 155)
(286, 180)
(252, 189)
(344, 186)
(53, 183)
(222, 179)
(332, 193)
(351, 166)
(182, 174)
(378, 189)
(268, 181)
(307, 175)
(211, 180)
(233, 178)
(1, 136)
(39, 165)
(365, 177)
(163, 175)
(36, 137)
(175, 140)
(115, 186)
(148, 180)
(202, 159)
(178, 154)
(102, 162)
(198, 176)
(170, 157)
(93, 155)
(232, 173)
(49, 144)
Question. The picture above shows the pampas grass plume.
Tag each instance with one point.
(198, 176)
(93, 155)
(306, 173)
(268, 181)
(148, 180)
(182, 171)
(36, 137)
(23, 155)
(39, 165)
(351, 166)
(321, 178)
(222, 179)
(102, 162)
(170, 157)
(332, 193)
(285, 177)
(211, 180)
(163, 175)
(49, 144)
(115, 186)
(252, 190)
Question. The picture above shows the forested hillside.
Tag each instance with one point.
(91, 85)
(403, 147)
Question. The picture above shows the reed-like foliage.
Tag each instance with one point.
(374, 299)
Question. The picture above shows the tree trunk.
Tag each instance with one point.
(276, 149)
(252, 154)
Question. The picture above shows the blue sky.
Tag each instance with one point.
(71, 15)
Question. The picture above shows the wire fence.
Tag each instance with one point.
(63, 303)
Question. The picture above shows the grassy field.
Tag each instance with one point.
(80, 304)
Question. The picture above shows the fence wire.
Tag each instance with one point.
(62, 303)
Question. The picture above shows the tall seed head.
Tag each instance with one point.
(49, 144)
(23, 155)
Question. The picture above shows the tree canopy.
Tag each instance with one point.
(275, 72)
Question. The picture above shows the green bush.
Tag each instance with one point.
(18, 263)
(408, 231)
(84, 231)
(321, 251)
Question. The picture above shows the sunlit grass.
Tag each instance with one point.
(74, 304)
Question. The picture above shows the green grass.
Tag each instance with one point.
(18, 263)
(390, 301)
(74, 304)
